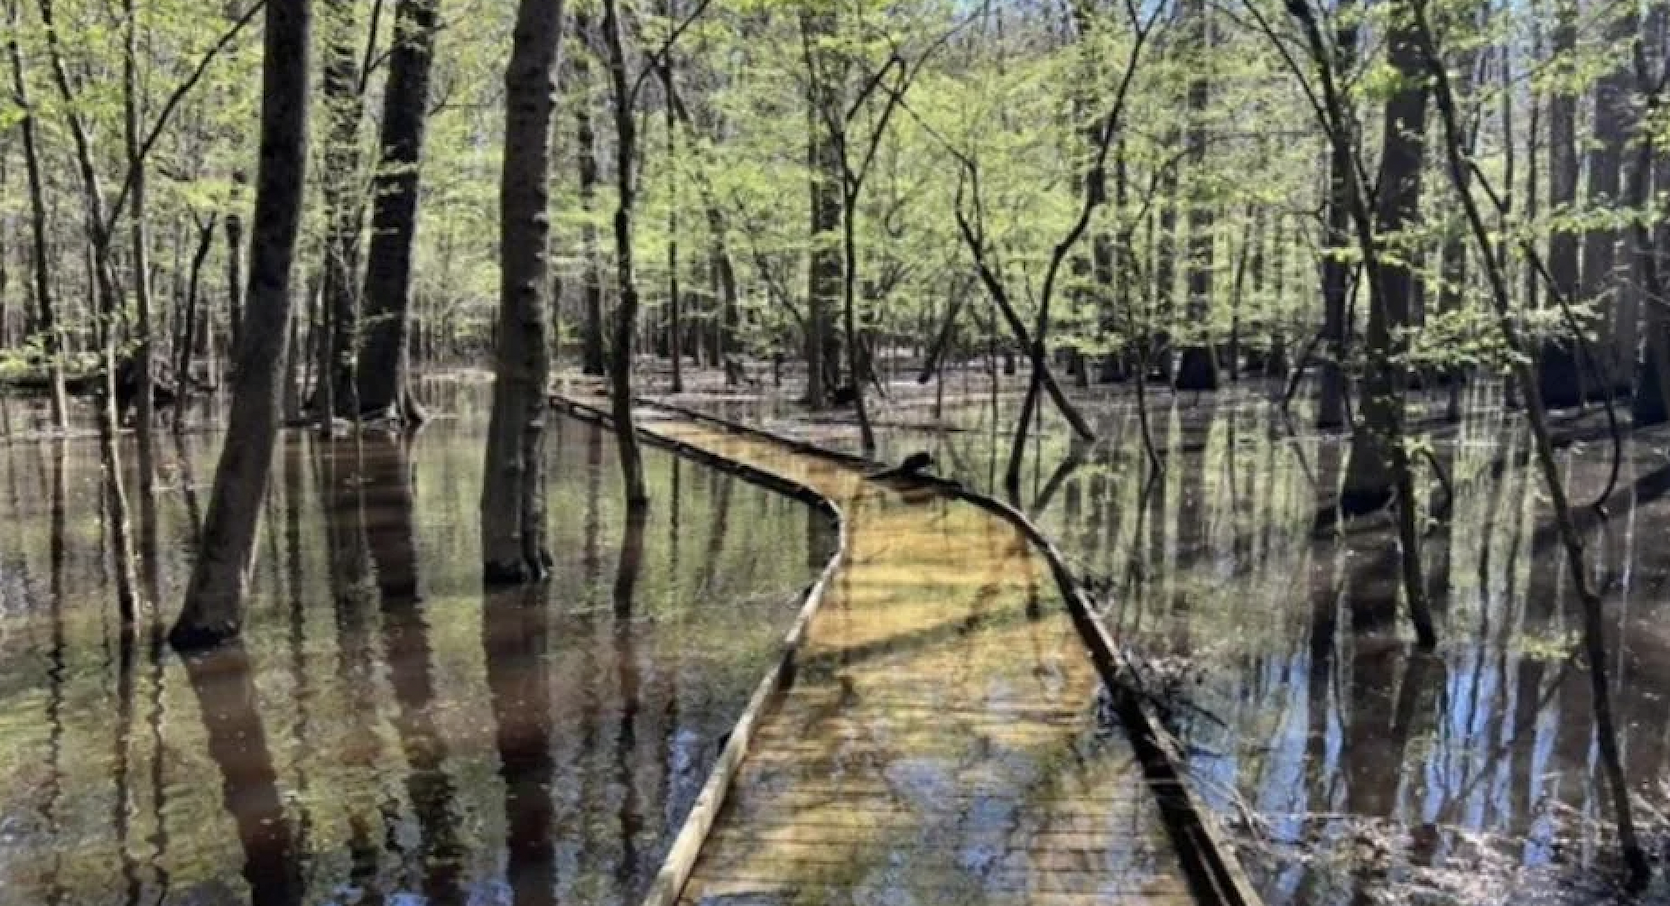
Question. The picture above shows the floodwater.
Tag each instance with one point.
(386, 732)
(1350, 767)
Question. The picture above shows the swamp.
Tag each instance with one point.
(803, 452)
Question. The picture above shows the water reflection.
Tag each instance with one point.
(386, 731)
(237, 742)
(1372, 770)
(516, 635)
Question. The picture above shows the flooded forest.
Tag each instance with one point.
(905, 452)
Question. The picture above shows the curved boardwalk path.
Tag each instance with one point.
(942, 741)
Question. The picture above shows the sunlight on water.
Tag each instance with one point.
(386, 730)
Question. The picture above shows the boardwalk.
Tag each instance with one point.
(942, 741)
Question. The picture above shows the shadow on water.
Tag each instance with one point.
(385, 731)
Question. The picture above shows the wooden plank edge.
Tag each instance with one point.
(680, 860)
(1215, 872)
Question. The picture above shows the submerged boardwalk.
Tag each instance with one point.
(942, 741)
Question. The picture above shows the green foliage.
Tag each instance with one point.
(1010, 93)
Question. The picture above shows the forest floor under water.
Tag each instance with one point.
(392, 732)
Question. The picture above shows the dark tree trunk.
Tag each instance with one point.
(384, 359)
(214, 599)
(823, 291)
(1378, 460)
(513, 491)
(344, 108)
(1336, 270)
(1652, 393)
(721, 262)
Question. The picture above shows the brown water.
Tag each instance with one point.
(1351, 767)
(386, 732)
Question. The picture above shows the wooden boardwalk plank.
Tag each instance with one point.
(942, 742)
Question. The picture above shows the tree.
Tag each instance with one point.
(591, 332)
(343, 98)
(1603, 284)
(1336, 270)
(1379, 440)
(46, 310)
(1378, 465)
(1197, 367)
(213, 609)
(823, 275)
(384, 358)
(1594, 621)
(624, 94)
(513, 489)
(1558, 372)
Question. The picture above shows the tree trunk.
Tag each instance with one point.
(1604, 284)
(1378, 460)
(856, 368)
(1652, 389)
(5, 260)
(1558, 375)
(191, 320)
(591, 356)
(46, 312)
(110, 308)
(1197, 367)
(1452, 256)
(719, 256)
(1650, 169)
(513, 491)
(626, 321)
(1165, 268)
(384, 360)
(824, 274)
(675, 305)
(344, 108)
(234, 270)
(144, 416)
(214, 599)
(1381, 437)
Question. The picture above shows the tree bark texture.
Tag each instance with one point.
(513, 490)
(384, 359)
(214, 599)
